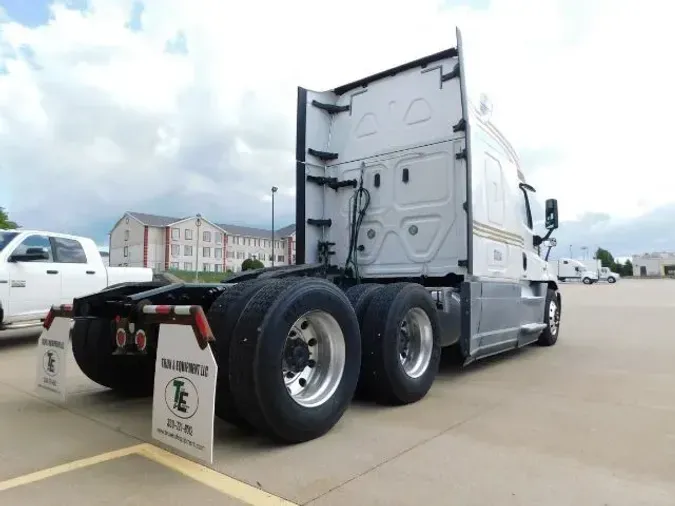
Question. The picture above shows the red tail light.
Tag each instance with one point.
(121, 338)
(141, 340)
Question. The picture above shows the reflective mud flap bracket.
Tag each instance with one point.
(52, 354)
(183, 402)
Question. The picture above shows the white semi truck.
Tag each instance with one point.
(414, 233)
(604, 273)
(569, 269)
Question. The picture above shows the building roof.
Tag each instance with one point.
(153, 220)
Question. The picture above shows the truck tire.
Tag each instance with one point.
(360, 296)
(587, 281)
(294, 358)
(93, 341)
(401, 343)
(611, 279)
(552, 309)
(223, 316)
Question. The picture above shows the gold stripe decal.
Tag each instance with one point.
(488, 232)
(510, 242)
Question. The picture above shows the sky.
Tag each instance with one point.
(174, 107)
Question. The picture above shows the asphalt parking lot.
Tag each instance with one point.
(590, 421)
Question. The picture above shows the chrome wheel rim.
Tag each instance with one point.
(415, 343)
(313, 359)
(553, 317)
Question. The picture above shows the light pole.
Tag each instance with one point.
(199, 224)
(274, 190)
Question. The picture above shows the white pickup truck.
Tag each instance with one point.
(39, 269)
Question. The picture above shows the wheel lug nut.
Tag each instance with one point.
(302, 382)
(311, 363)
(311, 342)
(289, 374)
(304, 325)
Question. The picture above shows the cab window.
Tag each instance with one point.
(35, 241)
(525, 209)
(69, 251)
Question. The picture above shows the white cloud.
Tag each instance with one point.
(111, 121)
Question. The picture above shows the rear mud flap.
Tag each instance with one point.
(183, 403)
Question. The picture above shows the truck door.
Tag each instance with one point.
(34, 286)
(532, 264)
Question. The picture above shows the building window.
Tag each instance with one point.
(187, 251)
(175, 233)
(280, 258)
(187, 266)
(240, 255)
(126, 251)
(248, 241)
(175, 250)
(270, 257)
(206, 252)
(175, 265)
(206, 267)
(206, 236)
(188, 234)
(218, 252)
(219, 268)
(126, 235)
(293, 259)
(219, 237)
(230, 254)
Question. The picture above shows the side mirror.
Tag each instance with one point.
(551, 222)
(31, 255)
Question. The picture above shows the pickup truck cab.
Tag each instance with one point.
(39, 269)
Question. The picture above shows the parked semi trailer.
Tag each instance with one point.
(414, 233)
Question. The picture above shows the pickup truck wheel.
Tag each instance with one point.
(401, 343)
(93, 341)
(223, 316)
(295, 358)
(552, 309)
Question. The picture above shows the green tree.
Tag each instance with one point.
(251, 263)
(626, 268)
(606, 258)
(5, 222)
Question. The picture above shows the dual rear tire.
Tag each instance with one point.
(292, 357)
(292, 352)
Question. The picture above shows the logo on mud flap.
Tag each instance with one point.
(50, 363)
(181, 397)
